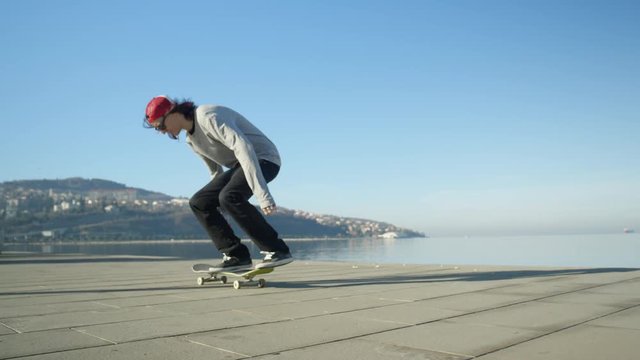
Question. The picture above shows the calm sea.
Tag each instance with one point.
(617, 250)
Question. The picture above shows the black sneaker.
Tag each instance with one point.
(232, 263)
(273, 259)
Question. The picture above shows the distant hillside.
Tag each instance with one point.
(63, 185)
(78, 185)
(90, 209)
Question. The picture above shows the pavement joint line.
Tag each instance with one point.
(614, 327)
(56, 352)
(103, 304)
(331, 341)
(356, 337)
(588, 287)
(217, 348)
(88, 325)
(398, 300)
(164, 336)
(94, 336)
(558, 330)
(10, 328)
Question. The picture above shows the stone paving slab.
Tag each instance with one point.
(273, 338)
(626, 319)
(536, 315)
(411, 313)
(159, 349)
(629, 288)
(47, 309)
(456, 338)
(579, 343)
(538, 289)
(22, 344)
(173, 326)
(123, 307)
(477, 301)
(362, 349)
(299, 310)
(589, 297)
(77, 319)
(6, 331)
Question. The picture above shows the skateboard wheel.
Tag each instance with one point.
(236, 285)
(262, 283)
(223, 279)
(201, 281)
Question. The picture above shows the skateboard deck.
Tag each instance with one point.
(222, 276)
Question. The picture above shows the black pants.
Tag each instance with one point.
(231, 192)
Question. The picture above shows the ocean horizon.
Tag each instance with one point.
(585, 250)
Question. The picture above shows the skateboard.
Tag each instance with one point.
(222, 276)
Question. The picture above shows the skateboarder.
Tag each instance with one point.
(241, 160)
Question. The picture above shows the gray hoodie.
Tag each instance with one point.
(224, 138)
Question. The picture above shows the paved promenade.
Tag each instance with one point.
(83, 307)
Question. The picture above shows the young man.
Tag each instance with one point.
(242, 160)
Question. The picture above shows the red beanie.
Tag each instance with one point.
(158, 107)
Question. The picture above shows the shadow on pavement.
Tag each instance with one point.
(448, 277)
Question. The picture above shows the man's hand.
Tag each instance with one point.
(269, 210)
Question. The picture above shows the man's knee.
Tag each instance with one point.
(231, 199)
(203, 202)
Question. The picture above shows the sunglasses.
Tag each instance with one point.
(158, 125)
(152, 125)
(161, 126)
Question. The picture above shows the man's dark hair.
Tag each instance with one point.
(185, 107)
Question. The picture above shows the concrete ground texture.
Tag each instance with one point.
(120, 307)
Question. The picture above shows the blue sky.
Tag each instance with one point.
(450, 117)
